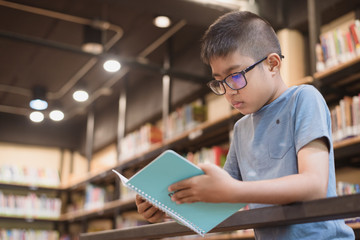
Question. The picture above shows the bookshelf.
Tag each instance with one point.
(28, 210)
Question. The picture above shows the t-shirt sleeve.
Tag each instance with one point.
(312, 118)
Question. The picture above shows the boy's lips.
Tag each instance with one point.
(236, 104)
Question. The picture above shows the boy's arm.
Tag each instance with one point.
(217, 186)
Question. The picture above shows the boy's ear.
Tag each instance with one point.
(274, 62)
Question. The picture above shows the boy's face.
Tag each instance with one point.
(260, 88)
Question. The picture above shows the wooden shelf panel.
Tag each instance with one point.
(347, 148)
(342, 69)
(29, 218)
(108, 208)
(7, 185)
(347, 142)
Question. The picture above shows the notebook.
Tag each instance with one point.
(152, 184)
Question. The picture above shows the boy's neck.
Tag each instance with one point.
(280, 89)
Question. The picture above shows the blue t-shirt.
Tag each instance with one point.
(265, 146)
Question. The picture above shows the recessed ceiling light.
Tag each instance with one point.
(112, 66)
(38, 104)
(56, 115)
(38, 101)
(92, 40)
(36, 116)
(80, 96)
(162, 21)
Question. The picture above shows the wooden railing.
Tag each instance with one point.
(303, 212)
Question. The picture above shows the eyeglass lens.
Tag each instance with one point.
(235, 81)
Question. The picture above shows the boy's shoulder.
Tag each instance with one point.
(302, 89)
(307, 92)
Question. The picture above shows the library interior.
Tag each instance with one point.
(107, 85)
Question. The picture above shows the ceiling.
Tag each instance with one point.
(40, 45)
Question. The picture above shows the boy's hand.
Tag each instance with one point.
(148, 211)
(215, 186)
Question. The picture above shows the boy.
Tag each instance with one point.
(281, 150)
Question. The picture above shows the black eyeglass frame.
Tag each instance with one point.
(235, 73)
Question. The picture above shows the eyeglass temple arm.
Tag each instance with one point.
(252, 66)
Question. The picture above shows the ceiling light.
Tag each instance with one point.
(56, 115)
(38, 101)
(38, 104)
(92, 40)
(162, 21)
(37, 116)
(80, 96)
(112, 66)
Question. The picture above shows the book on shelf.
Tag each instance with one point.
(345, 118)
(28, 175)
(152, 183)
(346, 188)
(185, 118)
(339, 42)
(16, 233)
(96, 196)
(215, 154)
(30, 206)
(140, 140)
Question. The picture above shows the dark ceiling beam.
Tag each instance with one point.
(19, 129)
(131, 62)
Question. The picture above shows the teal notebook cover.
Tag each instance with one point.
(152, 184)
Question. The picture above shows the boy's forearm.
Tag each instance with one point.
(288, 189)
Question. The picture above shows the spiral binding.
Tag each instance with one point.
(168, 210)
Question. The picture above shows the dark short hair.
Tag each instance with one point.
(240, 31)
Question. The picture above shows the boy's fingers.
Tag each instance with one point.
(143, 207)
(150, 212)
(139, 199)
(179, 186)
(159, 215)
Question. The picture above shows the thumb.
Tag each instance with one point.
(207, 167)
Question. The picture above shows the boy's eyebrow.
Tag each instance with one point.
(227, 71)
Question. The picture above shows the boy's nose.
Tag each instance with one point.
(230, 91)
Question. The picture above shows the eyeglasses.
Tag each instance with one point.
(235, 81)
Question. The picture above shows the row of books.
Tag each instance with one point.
(345, 188)
(338, 45)
(215, 155)
(185, 118)
(97, 196)
(140, 140)
(345, 118)
(22, 234)
(29, 175)
(182, 119)
(31, 205)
